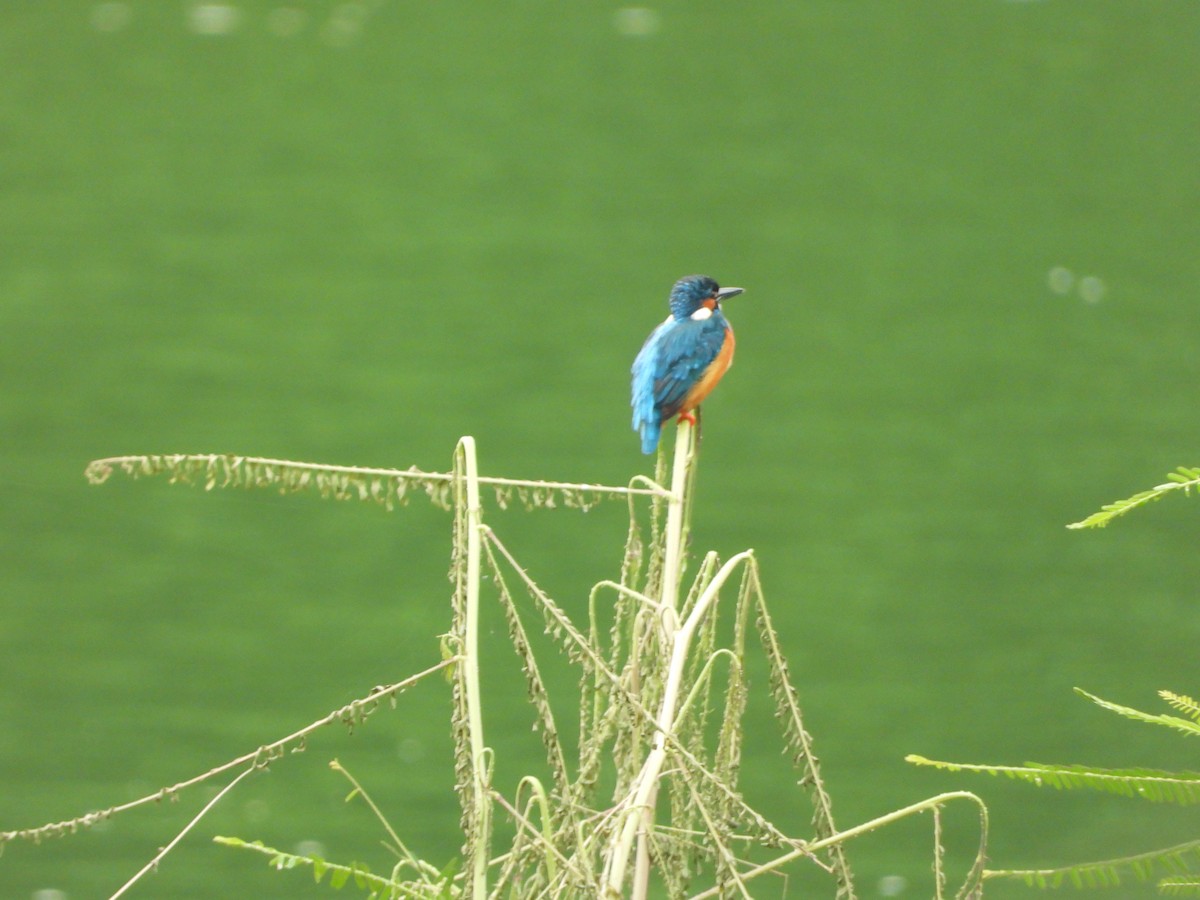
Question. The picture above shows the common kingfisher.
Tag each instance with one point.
(683, 359)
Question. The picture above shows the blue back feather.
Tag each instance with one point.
(670, 362)
(674, 357)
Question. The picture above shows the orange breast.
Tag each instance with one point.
(708, 380)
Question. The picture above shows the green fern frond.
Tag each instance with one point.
(339, 875)
(1179, 860)
(428, 873)
(1187, 726)
(1155, 786)
(1179, 885)
(1183, 703)
(1184, 479)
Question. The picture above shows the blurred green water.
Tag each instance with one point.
(967, 234)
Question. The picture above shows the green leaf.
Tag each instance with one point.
(1178, 860)
(1181, 479)
(1152, 785)
(1178, 886)
(338, 874)
(359, 873)
(1183, 703)
(1185, 725)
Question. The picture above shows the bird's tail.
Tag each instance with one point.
(650, 431)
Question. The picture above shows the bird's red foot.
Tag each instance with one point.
(687, 417)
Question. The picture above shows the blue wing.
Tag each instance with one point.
(672, 360)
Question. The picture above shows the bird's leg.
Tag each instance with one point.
(692, 416)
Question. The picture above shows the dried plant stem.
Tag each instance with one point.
(398, 846)
(638, 809)
(645, 787)
(672, 573)
(673, 551)
(639, 819)
(350, 714)
(158, 857)
(647, 695)
(808, 848)
(99, 470)
(466, 471)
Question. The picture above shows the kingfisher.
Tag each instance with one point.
(683, 359)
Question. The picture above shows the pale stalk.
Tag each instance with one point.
(809, 848)
(99, 470)
(673, 548)
(466, 467)
(672, 572)
(158, 857)
(639, 811)
(350, 713)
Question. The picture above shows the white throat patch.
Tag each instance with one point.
(701, 314)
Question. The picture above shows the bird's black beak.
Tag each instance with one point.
(726, 293)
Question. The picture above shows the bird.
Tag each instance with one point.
(683, 359)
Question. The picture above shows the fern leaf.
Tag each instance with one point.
(1184, 479)
(1187, 726)
(1155, 786)
(1179, 885)
(1183, 703)
(1178, 861)
(338, 874)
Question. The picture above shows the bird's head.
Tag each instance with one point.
(697, 292)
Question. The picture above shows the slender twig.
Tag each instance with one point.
(523, 822)
(158, 857)
(624, 591)
(939, 872)
(577, 638)
(725, 856)
(703, 678)
(423, 870)
(857, 831)
(355, 711)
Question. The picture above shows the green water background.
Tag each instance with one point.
(354, 232)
